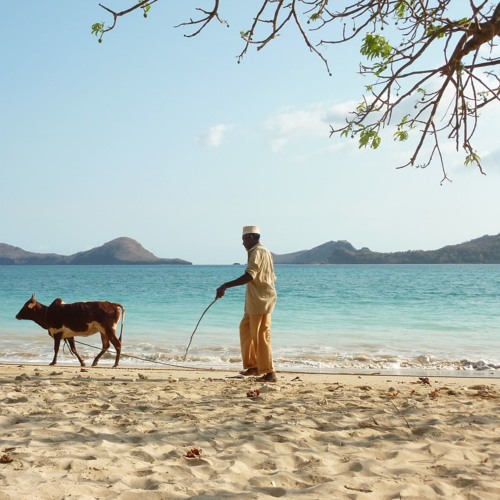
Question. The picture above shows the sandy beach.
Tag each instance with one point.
(127, 433)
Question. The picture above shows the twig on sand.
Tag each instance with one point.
(403, 417)
(362, 490)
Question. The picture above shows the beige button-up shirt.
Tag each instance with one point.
(260, 295)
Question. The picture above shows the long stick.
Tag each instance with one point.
(196, 327)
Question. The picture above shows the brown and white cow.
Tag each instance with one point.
(80, 319)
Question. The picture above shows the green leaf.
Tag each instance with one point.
(375, 46)
(245, 35)
(369, 138)
(400, 9)
(472, 158)
(401, 135)
(361, 107)
(435, 30)
(97, 29)
(379, 68)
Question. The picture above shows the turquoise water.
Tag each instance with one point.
(403, 319)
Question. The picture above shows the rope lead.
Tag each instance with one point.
(196, 327)
(159, 362)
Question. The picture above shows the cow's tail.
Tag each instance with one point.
(123, 320)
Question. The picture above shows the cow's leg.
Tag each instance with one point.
(116, 344)
(71, 342)
(57, 343)
(105, 347)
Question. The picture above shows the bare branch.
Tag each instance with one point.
(140, 5)
(457, 88)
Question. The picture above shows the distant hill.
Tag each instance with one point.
(318, 255)
(484, 250)
(119, 251)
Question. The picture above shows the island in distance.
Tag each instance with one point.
(119, 251)
(483, 250)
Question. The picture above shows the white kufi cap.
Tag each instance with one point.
(251, 230)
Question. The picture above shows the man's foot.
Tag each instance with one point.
(268, 377)
(249, 372)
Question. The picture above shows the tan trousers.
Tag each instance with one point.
(255, 342)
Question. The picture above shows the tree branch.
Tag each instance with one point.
(400, 70)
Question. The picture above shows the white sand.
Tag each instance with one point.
(126, 434)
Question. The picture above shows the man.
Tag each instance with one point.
(260, 298)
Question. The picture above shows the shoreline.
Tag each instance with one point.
(486, 374)
(117, 433)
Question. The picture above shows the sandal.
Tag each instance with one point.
(268, 377)
(249, 372)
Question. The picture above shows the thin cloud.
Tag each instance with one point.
(215, 135)
(491, 161)
(311, 121)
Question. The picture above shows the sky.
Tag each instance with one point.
(168, 140)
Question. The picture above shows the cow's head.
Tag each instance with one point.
(28, 310)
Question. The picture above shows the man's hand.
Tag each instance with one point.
(220, 291)
(242, 280)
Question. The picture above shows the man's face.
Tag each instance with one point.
(248, 241)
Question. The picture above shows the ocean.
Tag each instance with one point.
(396, 319)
